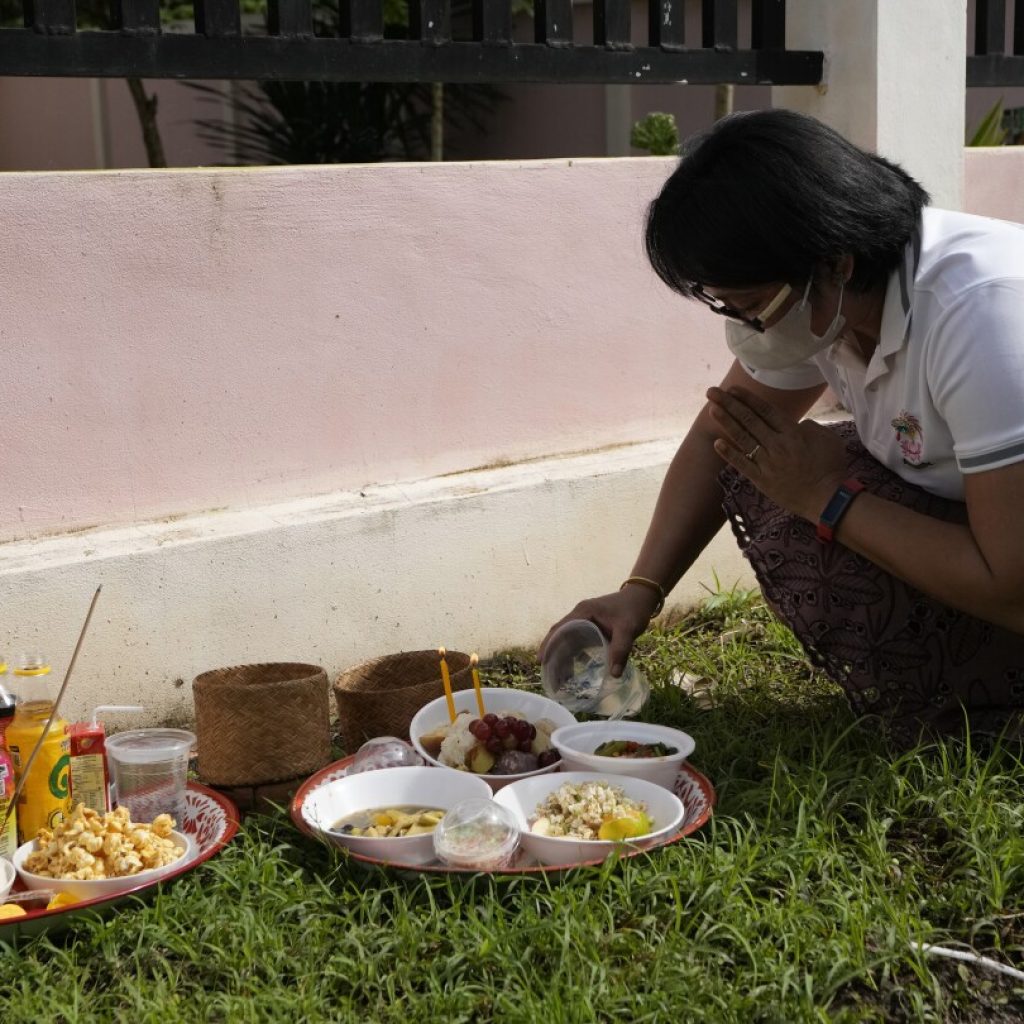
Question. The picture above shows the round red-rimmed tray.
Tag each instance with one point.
(210, 818)
(693, 788)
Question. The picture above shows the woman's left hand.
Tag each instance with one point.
(796, 465)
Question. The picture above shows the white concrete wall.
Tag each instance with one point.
(894, 81)
(476, 561)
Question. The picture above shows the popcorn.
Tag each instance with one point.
(89, 845)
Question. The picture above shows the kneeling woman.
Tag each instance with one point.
(893, 545)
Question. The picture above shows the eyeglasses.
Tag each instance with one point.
(723, 309)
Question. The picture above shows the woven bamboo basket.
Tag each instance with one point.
(262, 723)
(380, 697)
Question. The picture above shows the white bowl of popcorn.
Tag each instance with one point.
(92, 855)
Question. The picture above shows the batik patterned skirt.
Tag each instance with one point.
(917, 664)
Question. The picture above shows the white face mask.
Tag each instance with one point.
(787, 343)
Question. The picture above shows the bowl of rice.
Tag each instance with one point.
(574, 817)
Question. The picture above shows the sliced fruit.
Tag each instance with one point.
(625, 828)
(61, 899)
(431, 741)
(9, 910)
(480, 760)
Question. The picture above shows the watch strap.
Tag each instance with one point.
(836, 508)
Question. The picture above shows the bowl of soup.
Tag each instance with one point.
(390, 814)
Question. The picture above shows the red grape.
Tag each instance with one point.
(500, 728)
(494, 745)
(481, 730)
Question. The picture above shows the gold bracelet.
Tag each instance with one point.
(654, 585)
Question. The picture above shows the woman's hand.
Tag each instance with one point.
(796, 465)
(621, 616)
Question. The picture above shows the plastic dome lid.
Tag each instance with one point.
(477, 834)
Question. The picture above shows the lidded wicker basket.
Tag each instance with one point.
(380, 696)
(262, 723)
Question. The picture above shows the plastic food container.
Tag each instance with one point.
(575, 672)
(149, 771)
(477, 834)
(384, 752)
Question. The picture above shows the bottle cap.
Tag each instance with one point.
(32, 665)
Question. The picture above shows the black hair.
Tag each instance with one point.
(772, 195)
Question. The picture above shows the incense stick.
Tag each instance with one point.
(20, 785)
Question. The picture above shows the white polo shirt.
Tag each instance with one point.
(943, 394)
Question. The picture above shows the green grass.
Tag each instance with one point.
(827, 857)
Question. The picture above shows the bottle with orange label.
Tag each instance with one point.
(45, 798)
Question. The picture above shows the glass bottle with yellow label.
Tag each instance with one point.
(45, 798)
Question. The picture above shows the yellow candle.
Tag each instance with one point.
(446, 679)
(473, 659)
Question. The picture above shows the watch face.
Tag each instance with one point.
(835, 505)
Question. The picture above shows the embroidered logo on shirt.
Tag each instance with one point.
(910, 438)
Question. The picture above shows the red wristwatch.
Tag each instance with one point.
(836, 508)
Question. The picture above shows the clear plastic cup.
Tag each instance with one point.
(149, 772)
(575, 672)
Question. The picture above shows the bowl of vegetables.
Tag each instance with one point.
(390, 814)
(510, 741)
(637, 749)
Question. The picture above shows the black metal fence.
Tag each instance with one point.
(135, 45)
(998, 57)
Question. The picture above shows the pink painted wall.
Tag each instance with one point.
(177, 341)
(994, 182)
(50, 124)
